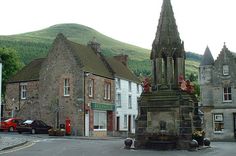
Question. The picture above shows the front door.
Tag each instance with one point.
(87, 123)
(129, 123)
(234, 114)
(117, 123)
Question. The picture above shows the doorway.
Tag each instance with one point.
(118, 123)
(129, 123)
(87, 123)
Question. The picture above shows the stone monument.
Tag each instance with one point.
(167, 115)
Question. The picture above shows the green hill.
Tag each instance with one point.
(37, 44)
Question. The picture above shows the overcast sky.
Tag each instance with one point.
(200, 22)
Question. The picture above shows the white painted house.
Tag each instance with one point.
(128, 89)
(127, 93)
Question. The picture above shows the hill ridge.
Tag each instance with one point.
(35, 44)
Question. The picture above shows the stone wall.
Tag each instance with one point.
(23, 108)
(61, 64)
(98, 97)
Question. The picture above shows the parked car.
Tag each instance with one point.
(33, 127)
(10, 124)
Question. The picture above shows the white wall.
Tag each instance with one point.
(123, 109)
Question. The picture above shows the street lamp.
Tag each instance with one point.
(0, 89)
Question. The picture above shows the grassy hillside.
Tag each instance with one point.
(36, 44)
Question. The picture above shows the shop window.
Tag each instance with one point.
(100, 120)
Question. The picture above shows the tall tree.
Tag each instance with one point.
(11, 64)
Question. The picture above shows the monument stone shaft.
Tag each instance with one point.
(167, 115)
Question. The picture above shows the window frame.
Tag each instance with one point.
(100, 120)
(225, 70)
(227, 94)
(23, 91)
(118, 100)
(130, 101)
(118, 83)
(91, 88)
(107, 91)
(130, 86)
(66, 87)
(219, 121)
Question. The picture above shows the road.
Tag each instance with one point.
(46, 146)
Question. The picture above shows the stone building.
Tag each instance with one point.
(217, 79)
(74, 81)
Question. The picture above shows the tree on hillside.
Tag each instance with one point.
(11, 64)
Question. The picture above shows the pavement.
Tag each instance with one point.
(11, 142)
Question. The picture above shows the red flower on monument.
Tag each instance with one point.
(146, 85)
(185, 85)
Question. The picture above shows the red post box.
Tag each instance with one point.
(68, 127)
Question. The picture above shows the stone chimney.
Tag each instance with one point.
(94, 45)
(122, 58)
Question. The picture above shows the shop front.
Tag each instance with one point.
(103, 119)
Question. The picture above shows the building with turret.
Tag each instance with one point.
(217, 79)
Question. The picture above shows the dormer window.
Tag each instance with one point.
(225, 70)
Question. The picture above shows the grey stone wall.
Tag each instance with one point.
(23, 108)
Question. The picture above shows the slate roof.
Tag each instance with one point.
(90, 61)
(121, 70)
(207, 58)
(28, 73)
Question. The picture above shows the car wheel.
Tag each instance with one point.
(19, 132)
(33, 131)
(11, 129)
